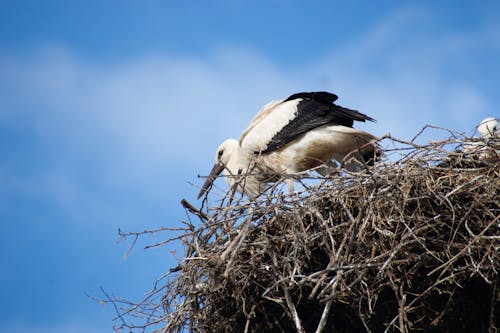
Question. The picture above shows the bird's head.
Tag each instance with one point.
(222, 157)
(226, 151)
(488, 127)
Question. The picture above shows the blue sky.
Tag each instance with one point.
(110, 109)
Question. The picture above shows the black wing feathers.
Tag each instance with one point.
(322, 97)
(314, 110)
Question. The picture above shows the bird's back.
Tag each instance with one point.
(307, 111)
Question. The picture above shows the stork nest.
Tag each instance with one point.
(408, 245)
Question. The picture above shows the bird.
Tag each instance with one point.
(477, 152)
(488, 148)
(489, 128)
(307, 130)
(239, 170)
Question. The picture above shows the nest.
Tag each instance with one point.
(408, 245)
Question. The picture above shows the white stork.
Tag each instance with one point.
(290, 136)
(489, 128)
(490, 134)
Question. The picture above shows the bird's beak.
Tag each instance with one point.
(216, 170)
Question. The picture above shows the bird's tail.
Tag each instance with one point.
(362, 150)
(352, 114)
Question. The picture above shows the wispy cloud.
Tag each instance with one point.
(99, 131)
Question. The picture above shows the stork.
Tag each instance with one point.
(489, 131)
(488, 128)
(490, 134)
(304, 131)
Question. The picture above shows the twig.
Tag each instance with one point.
(324, 317)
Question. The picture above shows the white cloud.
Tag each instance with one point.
(150, 106)
(133, 127)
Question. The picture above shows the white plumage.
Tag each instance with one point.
(271, 119)
(287, 137)
(490, 134)
(239, 169)
(488, 127)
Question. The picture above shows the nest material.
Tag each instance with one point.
(409, 245)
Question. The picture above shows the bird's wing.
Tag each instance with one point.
(266, 109)
(294, 116)
(322, 97)
(269, 121)
(263, 113)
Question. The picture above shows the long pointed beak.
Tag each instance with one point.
(216, 170)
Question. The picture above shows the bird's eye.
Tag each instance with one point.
(219, 153)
